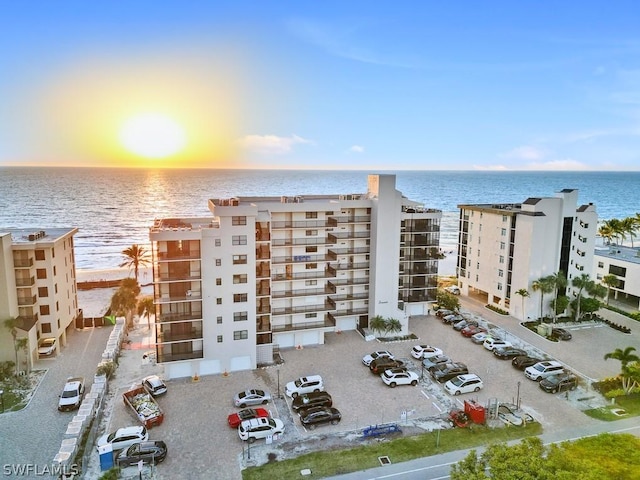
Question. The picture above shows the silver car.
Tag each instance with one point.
(251, 397)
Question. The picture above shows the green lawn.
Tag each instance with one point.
(629, 403)
(336, 462)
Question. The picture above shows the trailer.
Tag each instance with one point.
(144, 406)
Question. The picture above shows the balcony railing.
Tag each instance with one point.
(327, 273)
(178, 317)
(298, 224)
(262, 309)
(349, 281)
(285, 242)
(300, 309)
(350, 311)
(348, 235)
(349, 296)
(300, 259)
(353, 266)
(302, 292)
(23, 301)
(328, 322)
(348, 251)
(166, 298)
(167, 277)
(166, 256)
(25, 282)
(263, 272)
(167, 336)
(23, 262)
(334, 221)
(175, 357)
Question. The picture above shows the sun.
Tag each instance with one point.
(152, 135)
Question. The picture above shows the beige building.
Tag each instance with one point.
(503, 248)
(37, 287)
(264, 273)
(624, 263)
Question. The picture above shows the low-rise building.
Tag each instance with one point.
(37, 289)
(624, 263)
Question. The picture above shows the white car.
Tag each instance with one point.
(464, 384)
(262, 427)
(367, 359)
(155, 385)
(399, 376)
(311, 383)
(123, 437)
(425, 351)
(543, 369)
(479, 337)
(453, 289)
(47, 346)
(72, 394)
(491, 342)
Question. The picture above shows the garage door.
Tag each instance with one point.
(240, 363)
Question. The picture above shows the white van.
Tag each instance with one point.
(311, 383)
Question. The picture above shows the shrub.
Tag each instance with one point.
(608, 384)
(616, 392)
(106, 369)
(7, 369)
(497, 309)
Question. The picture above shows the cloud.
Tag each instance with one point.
(356, 149)
(525, 152)
(272, 144)
(561, 164)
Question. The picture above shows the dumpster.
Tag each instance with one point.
(476, 412)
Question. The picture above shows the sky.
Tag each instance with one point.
(408, 85)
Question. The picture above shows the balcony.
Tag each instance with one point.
(334, 236)
(348, 251)
(175, 276)
(263, 253)
(263, 324)
(178, 255)
(178, 317)
(25, 301)
(175, 357)
(23, 262)
(263, 289)
(350, 296)
(328, 322)
(351, 311)
(353, 266)
(168, 336)
(299, 259)
(327, 273)
(335, 221)
(287, 242)
(25, 282)
(263, 271)
(301, 309)
(298, 224)
(262, 309)
(349, 281)
(302, 292)
(177, 297)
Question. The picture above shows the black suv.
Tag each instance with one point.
(444, 373)
(311, 399)
(559, 382)
(523, 361)
(380, 364)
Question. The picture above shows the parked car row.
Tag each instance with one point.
(395, 371)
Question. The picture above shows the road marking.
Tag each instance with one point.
(437, 407)
(424, 393)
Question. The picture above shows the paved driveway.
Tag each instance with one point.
(32, 436)
(201, 444)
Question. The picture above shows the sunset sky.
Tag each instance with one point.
(321, 85)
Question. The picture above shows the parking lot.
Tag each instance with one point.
(200, 440)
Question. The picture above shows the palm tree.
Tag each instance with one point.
(616, 228)
(627, 358)
(123, 302)
(393, 325)
(378, 324)
(582, 282)
(559, 281)
(544, 285)
(11, 324)
(146, 308)
(606, 232)
(630, 227)
(524, 293)
(610, 281)
(136, 256)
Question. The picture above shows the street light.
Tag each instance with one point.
(518, 397)
(2, 399)
(278, 370)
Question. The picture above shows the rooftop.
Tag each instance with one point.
(619, 252)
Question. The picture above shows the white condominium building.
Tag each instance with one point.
(624, 263)
(503, 248)
(37, 288)
(264, 273)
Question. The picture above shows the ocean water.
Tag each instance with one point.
(114, 208)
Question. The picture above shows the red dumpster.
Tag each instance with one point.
(475, 411)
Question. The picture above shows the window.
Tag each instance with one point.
(219, 320)
(310, 282)
(501, 273)
(240, 316)
(311, 233)
(502, 245)
(218, 281)
(218, 262)
(39, 254)
(499, 286)
(241, 278)
(46, 327)
(600, 264)
(239, 259)
(310, 315)
(240, 334)
(57, 310)
(41, 273)
(54, 271)
(43, 292)
(238, 220)
(503, 232)
(501, 258)
(311, 215)
(310, 266)
(218, 301)
(504, 218)
(44, 309)
(311, 249)
(239, 240)
(219, 338)
(616, 270)
(239, 297)
(218, 242)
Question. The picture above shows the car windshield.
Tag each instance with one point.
(457, 381)
(248, 413)
(69, 393)
(539, 367)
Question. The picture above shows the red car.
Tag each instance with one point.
(235, 419)
(471, 330)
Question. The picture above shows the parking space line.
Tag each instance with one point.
(436, 405)
(424, 393)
